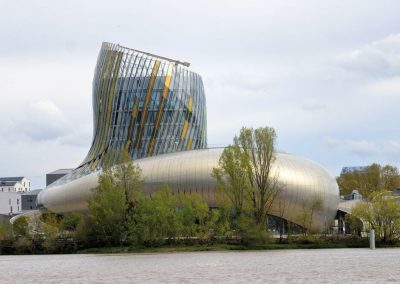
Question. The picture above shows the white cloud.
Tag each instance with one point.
(389, 149)
(379, 58)
(313, 105)
(44, 121)
(387, 86)
(362, 148)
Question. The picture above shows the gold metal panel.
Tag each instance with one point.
(160, 111)
(189, 144)
(134, 113)
(149, 91)
(190, 104)
(135, 108)
(110, 101)
(104, 80)
(167, 81)
(185, 128)
(94, 165)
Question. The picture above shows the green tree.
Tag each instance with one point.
(232, 181)
(6, 231)
(192, 213)
(69, 222)
(303, 218)
(382, 214)
(316, 206)
(306, 216)
(107, 208)
(353, 224)
(21, 227)
(49, 230)
(164, 205)
(113, 202)
(245, 175)
(154, 219)
(251, 232)
(144, 225)
(373, 178)
(127, 176)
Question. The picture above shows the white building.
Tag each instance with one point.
(15, 184)
(10, 203)
(11, 189)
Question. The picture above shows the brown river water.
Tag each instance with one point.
(278, 266)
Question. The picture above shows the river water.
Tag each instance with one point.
(277, 266)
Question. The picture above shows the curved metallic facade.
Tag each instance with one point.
(155, 107)
(190, 172)
(149, 104)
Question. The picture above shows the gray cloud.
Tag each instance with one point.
(389, 149)
(379, 58)
(313, 106)
(45, 121)
(311, 69)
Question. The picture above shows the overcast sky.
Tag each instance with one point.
(324, 74)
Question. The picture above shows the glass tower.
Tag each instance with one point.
(145, 103)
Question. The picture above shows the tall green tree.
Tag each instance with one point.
(306, 216)
(107, 208)
(233, 183)
(113, 201)
(127, 175)
(245, 175)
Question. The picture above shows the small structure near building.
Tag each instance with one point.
(28, 200)
(53, 176)
(354, 195)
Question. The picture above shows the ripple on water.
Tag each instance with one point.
(289, 266)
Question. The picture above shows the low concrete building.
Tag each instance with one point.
(53, 176)
(28, 200)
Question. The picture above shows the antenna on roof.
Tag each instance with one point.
(184, 63)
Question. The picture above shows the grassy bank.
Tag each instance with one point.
(70, 247)
(227, 247)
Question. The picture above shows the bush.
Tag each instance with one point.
(21, 227)
(252, 233)
(70, 222)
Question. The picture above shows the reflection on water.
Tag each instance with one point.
(293, 266)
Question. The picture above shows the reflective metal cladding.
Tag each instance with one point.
(155, 107)
(147, 103)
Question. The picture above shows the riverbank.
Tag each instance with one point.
(68, 246)
(229, 247)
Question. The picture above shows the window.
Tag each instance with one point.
(17, 201)
(11, 209)
(9, 201)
